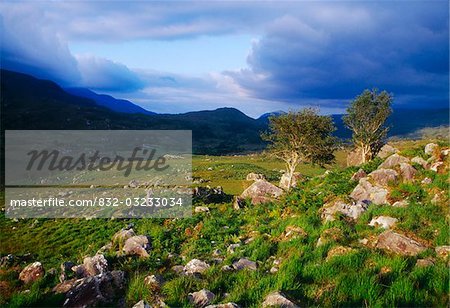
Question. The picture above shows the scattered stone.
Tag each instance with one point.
(425, 262)
(261, 191)
(442, 251)
(383, 177)
(438, 167)
(179, 269)
(350, 210)
(154, 282)
(64, 286)
(142, 304)
(255, 176)
(427, 181)
(278, 299)
(32, 272)
(284, 181)
(384, 222)
(232, 248)
(407, 171)
(137, 245)
(201, 209)
(122, 235)
(430, 148)
(227, 268)
(95, 265)
(401, 203)
(365, 191)
(273, 270)
(338, 251)
(227, 305)
(195, 266)
(386, 151)
(293, 232)
(354, 158)
(445, 152)
(399, 244)
(420, 161)
(392, 161)
(358, 175)
(201, 298)
(244, 263)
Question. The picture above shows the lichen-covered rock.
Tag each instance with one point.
(420, 161)
(399, 244)
(386, 151)
(32, 272)
(365, 191)
(196, 266)
(358, 175)
(95, 265)
(383, 177)
(201, 298)
(430, 148)
(353, 210)
(122, 235)
(384, 222)
(278, 299)
(407, 171)
(137, 245)
(244, 263)
(262, 191)
(392, 161)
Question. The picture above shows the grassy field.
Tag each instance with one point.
(363, 277)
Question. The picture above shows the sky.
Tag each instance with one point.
(173, 57)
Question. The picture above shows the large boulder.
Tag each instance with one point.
(386, 151)
(137, 245)
(354, 158)
(195, 266)
(365, 191)
(393, 161)
(431, 148)
(353, 210)
(384, 222)
(95, 265)
(399, 244)
(284, 181)
(255, 176)
(32, 272)
(278, 299)
(383, 177)
(407, 171)
(201, 298)
(261, 191)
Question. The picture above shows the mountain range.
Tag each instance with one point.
(31, 103)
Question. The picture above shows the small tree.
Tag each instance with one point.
(303, 136)
(366, 117)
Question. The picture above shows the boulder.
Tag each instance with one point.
(392, 161)
(284, 181)
(201, 298)
(420, 161)
(278, 299)
(95, 265)
(386, 151)
(407, 171)
(261, 191)
(255, 176)
(358, 175)
(354, 158)
(365, 191)
(399, 244)
(442, 251)
(384, 222)
(353, 210)
(32, 272)
(383, 177)
(431, 148)
(137, 245)
(195, 266)
(338, 251)
(244, 263)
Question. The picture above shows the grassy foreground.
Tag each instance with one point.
(363, 277)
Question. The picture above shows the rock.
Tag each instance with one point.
(293, 232)
(431, 148)
(420, 161)
(384, 222)
(66, 270)
(442, 251)
(273, 270)
(365, 191)
(278, 299)
(95, 290)
(392, 161)
(227, 268)
(227, 305)
(427, 181)
(80, 271)
(399, 244)
(261, 191)
(8, 260)
(338, 251)
(232, 248)
(217, 253)
(386, 151)
(201, 298)
(358, 175)
(122, 235)
(363, 241)
(32, 272)
(383, 177)
(195, 266)
(201, 209)
(445, 152)
(142, 304)
(407, 171)
(64, 286)
(354, 158)
(425, 262)
(284, 181)
(402, 203)
(179, 269)
(244, 263)
(95, 265)
(350, 210)
(137, 245)
(255, 176)
(210, 195)
(438, 167)
(154, 282)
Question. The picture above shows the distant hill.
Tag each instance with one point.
(30, 103)
(118, 105)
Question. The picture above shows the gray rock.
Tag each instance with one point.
(196, 266)
(350, 210)
(359, 175)
(201, 298)
(438, 167)
(399, 244)
(401, 203)
(407, 171)
(430, 148)
(365, 191)
(284, 181)
(383, 177)
(32, 272)
(278, 299)
(122, 235)
(384, 222)
(95, 265)
(392, 161)
(420, 161)
(261, 191)
(137, 245)
(155, 282)
(227, 305)
(244, 263)
(255, 176)
(386, 151)
(354, 158)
